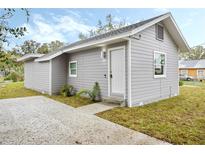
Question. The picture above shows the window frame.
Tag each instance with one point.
(73, 75)
(156, 32)
(186, 72)
(199, 73)
(165, 65)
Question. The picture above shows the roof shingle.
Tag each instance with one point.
(192, 63)
(102, 36)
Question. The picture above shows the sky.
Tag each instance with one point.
(47, 25)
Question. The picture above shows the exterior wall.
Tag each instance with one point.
(144, 87)
(59, 73)
(193, 72)
(90, 68)
(36, 76)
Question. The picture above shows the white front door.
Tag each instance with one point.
(117, 71)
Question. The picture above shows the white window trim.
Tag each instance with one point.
(184, 70)
(198, 72)
(156, 31)
(72, 75)
(165, 66)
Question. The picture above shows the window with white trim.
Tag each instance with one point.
(200, 73)
(183, 72)
(159, 64)
(159, 32)
(73, 69)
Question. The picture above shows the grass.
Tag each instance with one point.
(16, 89)
(178, 120)
(72, 101)
(194, 83)
(1, 79)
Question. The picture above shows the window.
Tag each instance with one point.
(200, 73)
(184, 72)
(73, 69)
(159, 64)
(159, 32)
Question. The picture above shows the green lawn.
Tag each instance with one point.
(178, 120)
(16, 89)
(194, 83)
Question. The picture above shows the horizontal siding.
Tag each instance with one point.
(91, 68)
(36, 76)
(145, 88)
(59, 73)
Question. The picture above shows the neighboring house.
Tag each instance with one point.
(192, 68)
(137, 63)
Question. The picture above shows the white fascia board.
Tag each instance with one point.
(139, 29)
(50, 57)
(180, 33)
(84, 46)
(124, 35)
(29, 56)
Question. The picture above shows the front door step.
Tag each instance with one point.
(114, 100)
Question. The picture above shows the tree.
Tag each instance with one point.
(197, 52)
(43, 49)
(82, 36)
(29, 46)
(54, 45)
(108, 26)
(49, 47)
(6, 31)
(8, 63)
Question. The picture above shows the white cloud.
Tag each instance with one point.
(74, 13)
(54, 27)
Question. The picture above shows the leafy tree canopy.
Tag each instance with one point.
(197, 52)
(31, 46)
(6, 31)
(103, 28)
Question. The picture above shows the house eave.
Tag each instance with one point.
(181, 42)
(29, 57)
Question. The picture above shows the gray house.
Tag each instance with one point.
(137, 63)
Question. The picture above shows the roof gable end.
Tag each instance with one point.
(125, 32)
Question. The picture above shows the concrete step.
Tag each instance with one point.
(114, 100)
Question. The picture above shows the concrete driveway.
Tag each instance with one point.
(40, 120)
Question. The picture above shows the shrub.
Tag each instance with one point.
(67, 90)
(181, 83)
(94, 94)
(14, 77)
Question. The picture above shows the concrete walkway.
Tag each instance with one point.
(40, 120)
(97, 107)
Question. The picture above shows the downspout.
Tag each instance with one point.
(129, 103)
(178, 50)
(50, 77)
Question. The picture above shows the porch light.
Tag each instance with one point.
(103, 54)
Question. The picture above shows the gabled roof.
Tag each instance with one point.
(29, 57)
(124, 32)
(192, 63)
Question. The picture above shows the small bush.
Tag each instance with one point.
(94, 94)
(14, 77)
(181, 83)
(67, 90)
